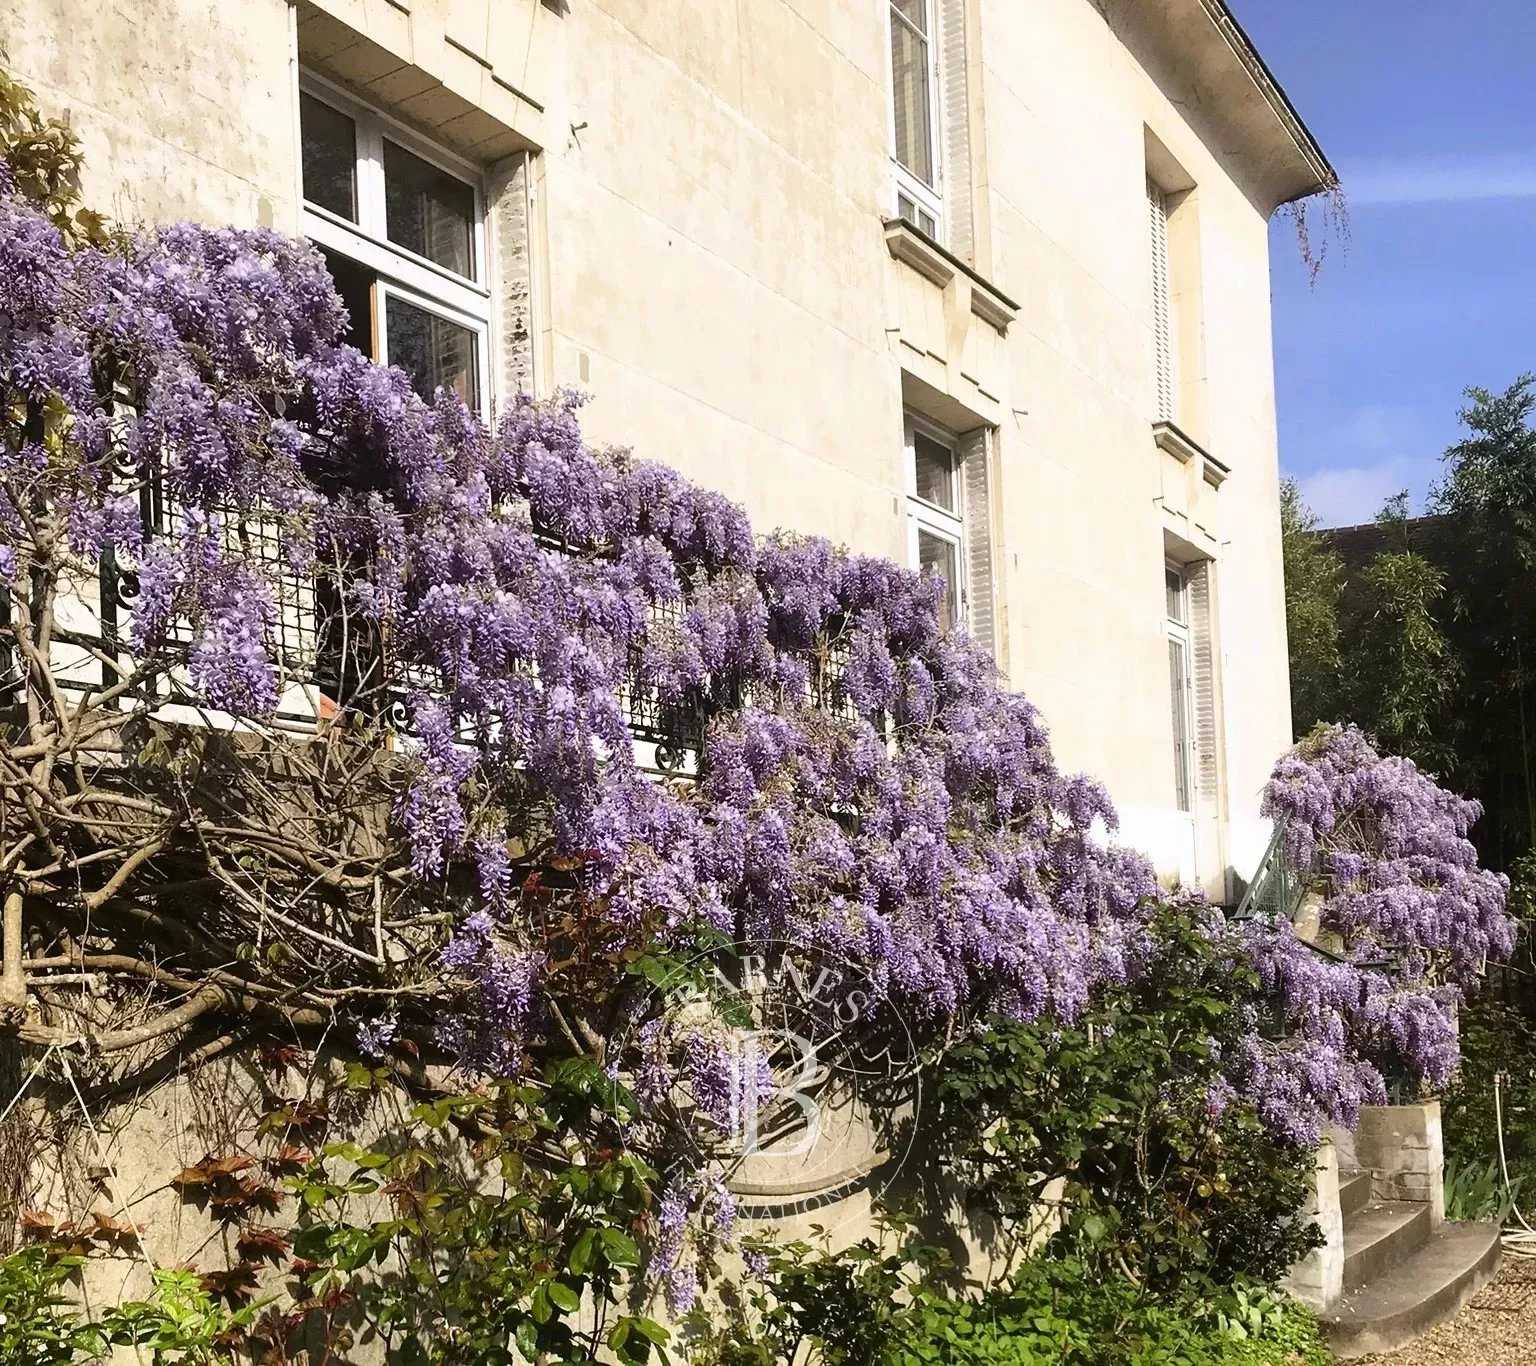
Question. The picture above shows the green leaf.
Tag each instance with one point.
(652, 1330)
(540, 1307)
(658, 972)
(564, 1297)
(581, 1254)
(736, 1011)
(620, 1248)
(526, 1339)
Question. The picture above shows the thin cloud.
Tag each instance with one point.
(1346, 495)
(1372, 452)
(1464, 180)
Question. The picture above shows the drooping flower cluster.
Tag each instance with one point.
(1390, 857)
(868, 788)
(868, 792)
(695, 1217)
(1401, 922)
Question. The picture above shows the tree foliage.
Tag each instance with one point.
(1313, 584)
(1427, 644)
(1490, 488)
(1369, 645)
(1404, 672)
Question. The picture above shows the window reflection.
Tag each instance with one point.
(911, 89)
(354, 283)
(428, 211)
(432, 350)
(940, 556)
(329, 147)
(935, 469)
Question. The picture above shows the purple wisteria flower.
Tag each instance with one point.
(869, 791)
(1384, 855)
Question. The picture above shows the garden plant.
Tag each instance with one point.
(315, 754)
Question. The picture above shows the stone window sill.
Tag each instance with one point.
(1172, 438)
(931, 261)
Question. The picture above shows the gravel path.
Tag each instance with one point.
(1497, 1329)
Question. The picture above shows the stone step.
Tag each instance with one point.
(1410, 1298)
(1354, 1191)
(1379, 1236)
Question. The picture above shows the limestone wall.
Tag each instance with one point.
(687, 207)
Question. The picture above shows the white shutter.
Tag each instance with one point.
(955, 128)
(1162, 303)
(1204, 680)
(974, 450)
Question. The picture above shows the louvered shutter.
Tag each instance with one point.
(1162, 303)
(974, 450)
(955, 126)
(1204, 680)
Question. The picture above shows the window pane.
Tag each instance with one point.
(355, 285)
(1174, 583)
(919, 218)
(914, 11)
(910, 88)
(329, 149)
(433, 351)
(429, 211)
(935, 472)
(941, 556)
(1178, 683)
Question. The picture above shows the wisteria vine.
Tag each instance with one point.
(1406, 921)
(869, 791)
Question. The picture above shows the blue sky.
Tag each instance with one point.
(1428, 110)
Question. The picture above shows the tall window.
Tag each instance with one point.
(401, 227)
(935, 514)
(914, 114)
(1162, 304)
(1181, 686)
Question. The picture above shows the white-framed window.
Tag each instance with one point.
(915, 114)
(936, 513)
(1181, 684)
(402, 227)
(1163, 330)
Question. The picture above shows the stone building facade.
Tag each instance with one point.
(979, 285)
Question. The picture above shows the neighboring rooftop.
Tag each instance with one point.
(1436, 538)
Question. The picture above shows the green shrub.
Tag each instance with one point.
(1060, 1312)
(1265, 1329)
(1127, 1107)
(40, 1325)
(1476, 1190)
(1495, 1040)
(868, 1307)
(37, 1325)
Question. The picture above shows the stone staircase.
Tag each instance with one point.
(1404, 1269)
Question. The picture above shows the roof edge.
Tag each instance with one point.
(1243, 48)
